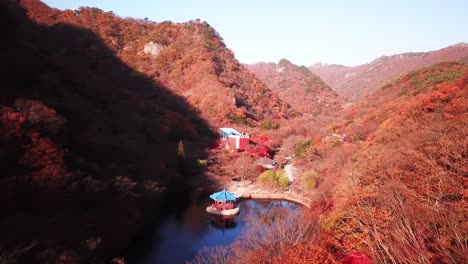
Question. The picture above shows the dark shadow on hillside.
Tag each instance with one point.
(116, 123)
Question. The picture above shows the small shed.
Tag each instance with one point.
(266, 163)
(234, 138)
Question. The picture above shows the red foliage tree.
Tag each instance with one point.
(308, 252)
(357, 258)
(259, 151)
(46, 160)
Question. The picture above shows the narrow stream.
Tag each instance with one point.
(183, 228)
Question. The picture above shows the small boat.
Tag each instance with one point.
(225, 204)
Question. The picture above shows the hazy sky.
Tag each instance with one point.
(307, 31)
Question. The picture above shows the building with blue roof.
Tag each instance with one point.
(234, 139)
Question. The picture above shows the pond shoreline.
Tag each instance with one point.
(276, 196)
(250, 190)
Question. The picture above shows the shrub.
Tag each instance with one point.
(218, 254)
(202, 164)
(336, 143)
(237, 119)
(276, 116)
(283, 181)
(301, 147)
(269, 124)
(267, 178)
(309, 179)
(259, 151)
(274, 179)
(259, 169)
(124, 184)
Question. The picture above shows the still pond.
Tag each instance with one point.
(181, 228)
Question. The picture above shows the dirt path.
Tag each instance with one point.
(289, 172)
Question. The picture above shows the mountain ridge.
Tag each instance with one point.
(189, 58)
(298, 86)
(357, 81)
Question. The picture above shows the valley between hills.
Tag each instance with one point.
(101, 117)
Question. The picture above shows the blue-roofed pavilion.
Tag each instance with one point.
(223, 196)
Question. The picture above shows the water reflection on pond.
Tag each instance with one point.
(184, 228)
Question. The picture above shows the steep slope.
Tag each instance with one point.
(409, 177)
(357, 81)
(305, 91)
(189, 58)
(85, 142)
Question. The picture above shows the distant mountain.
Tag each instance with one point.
(189, 58)
(356, 81)
(298, 86)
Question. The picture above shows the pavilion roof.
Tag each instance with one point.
(223, 196)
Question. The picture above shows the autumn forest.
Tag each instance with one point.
(102, 116)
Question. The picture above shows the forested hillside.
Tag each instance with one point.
(398, 179)
(189, 58)
(100, 116)
(393, 190)
(84, 138)
(298, 86)
(403, 198)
